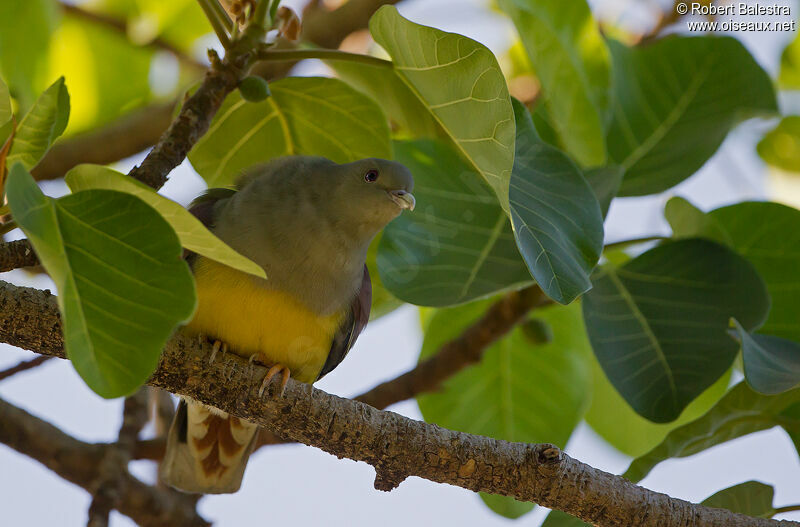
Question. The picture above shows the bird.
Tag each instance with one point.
(307, 221)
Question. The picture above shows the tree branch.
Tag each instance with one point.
(396, 446)
(17, 254)
(79, 462)
(24, 366)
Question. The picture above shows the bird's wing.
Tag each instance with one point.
(202, 208)
(354, 323)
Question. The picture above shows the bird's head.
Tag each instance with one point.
(374, 191)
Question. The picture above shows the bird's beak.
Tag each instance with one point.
(403, 199)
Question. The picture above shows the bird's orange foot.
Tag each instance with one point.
(273, 371)
(218, 344)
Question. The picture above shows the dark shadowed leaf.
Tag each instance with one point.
(122, 284)
(44, 122)
(768, 235)
(556, 217)
(752, 498)
(781, 146)
(460, 83)
(605, 183)
(571, 61)
(519, 391)
(674, 102)
(740, 412)
(771, 364)
(305, 115)
(658, 324)
(615, 421)
(458, 244)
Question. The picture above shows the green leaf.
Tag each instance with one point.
(461, 85)
(658, 324)
(571, 61)
(740, 412)
(383, 302)
(675, 101)
(41, 126)
(122, 284)
(458, 244)
(771, 364)
(6, 117)
(193, 235)
(605, 183)
(615, 421)
(386, 87)
(556, 217)
(519, 391)
(789, 76)
(780, 147)
(305, 115)
(767, 235)
(752, 498)
(687, 221)
(562, 519)
(25, 30)
(506, 506)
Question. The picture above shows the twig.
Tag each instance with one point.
(23, 366)
(212, 14)
(78, 463)
(396, 446)
(634, 241)
(787, 508)
(17, 254)
(120, 25)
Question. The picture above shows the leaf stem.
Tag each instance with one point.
(7, 227)
(634, 241)
(223, 15)
(211, 9)
(323, 54)
(787, 508)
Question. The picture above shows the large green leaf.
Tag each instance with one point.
(305, 115)
(615, 421)
(458, 244)
(742, 411)
(789, 76)
(687, 221)
(658, 324)
(460, 83)
(675, 101)
(43, 123)
(520, 391)
(108, 75)
(752, 498)
(193, 235)
(605, 182)
(571, 61)
(771, 364)
(25, 30)
(383, 302)
(384, 85)
(6, 114)
(768, 235)
(556, 217)
(122, 284)
(780, 147)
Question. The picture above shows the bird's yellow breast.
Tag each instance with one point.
(254, 320)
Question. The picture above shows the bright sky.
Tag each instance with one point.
(297, 485)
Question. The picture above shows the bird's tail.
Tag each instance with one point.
(207, 450)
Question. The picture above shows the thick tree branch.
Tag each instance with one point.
(79, 463)
(17, 254)
(396, 446)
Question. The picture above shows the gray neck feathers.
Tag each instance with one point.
(305, 252)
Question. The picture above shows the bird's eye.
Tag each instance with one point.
(371, 175)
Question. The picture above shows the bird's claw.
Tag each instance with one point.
(215, 348)
(272, 372)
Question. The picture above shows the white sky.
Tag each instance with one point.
(297, 485)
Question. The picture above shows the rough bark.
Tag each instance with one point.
(396, 446)
(17, 254)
